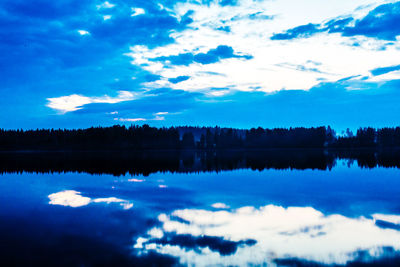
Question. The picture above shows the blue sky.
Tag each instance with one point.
(240, 63)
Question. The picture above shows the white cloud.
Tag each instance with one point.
(75, 102)
(83, 32)
(294, 232)
(105, 5)
(136, 11)
(220, 206)
(68, 103)
(157, 117)
(125, 204)
(107, 17)
(393, 75)
(130, 119)
(74, 199)
(266, 71)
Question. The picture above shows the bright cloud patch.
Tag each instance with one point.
(75, 102)
(105, 5)
(69, 198)
(130, 119)
(378, 23)
(246, 28)
(125, 204)
(159, 116)
(83, 32)
(137, 11)
(74, 199)
(107, 17)
(220, 206)
(250, 236)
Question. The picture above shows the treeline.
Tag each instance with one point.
(189, 138)
(369, 138)
(95, 138)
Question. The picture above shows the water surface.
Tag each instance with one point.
(264, 210)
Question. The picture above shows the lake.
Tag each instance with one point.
(286, 208)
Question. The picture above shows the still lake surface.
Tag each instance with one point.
(342, 213)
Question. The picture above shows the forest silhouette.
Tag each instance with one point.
(142, 150)
(193, 138)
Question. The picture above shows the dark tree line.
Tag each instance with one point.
(99, 138)
(369, 138)
(189, 138)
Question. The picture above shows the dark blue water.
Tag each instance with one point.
(347, 215)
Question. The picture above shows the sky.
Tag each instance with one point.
(232, 63)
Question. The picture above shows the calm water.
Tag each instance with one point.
(338, 215)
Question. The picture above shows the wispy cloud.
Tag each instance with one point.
(378, 23)
(180, 51)
(75, 102)
(105, 5)
(192, 53)
(130, 119)
(159, 116)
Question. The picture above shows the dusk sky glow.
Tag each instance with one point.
(234, 63)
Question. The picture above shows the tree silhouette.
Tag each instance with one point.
(208, 138)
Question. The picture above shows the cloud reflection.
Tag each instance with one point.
(278, 233)
(74, 199)
(69, 198)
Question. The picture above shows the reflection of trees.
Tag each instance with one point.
(371, 158)
(145, 163)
